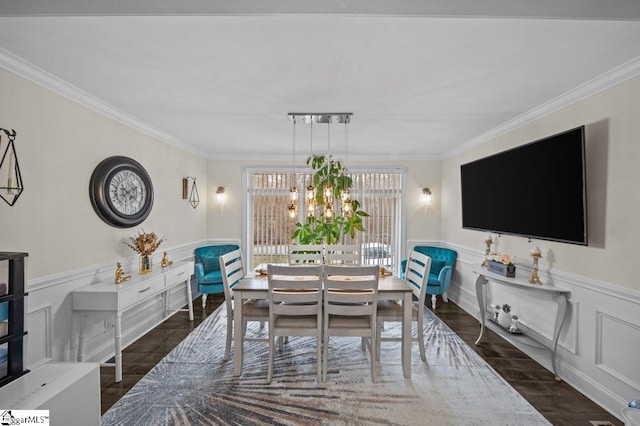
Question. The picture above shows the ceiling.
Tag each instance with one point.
(423, 79)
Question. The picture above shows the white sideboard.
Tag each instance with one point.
(70, 391)
(118, 298)
(560, 296)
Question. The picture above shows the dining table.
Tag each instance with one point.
(254, 286)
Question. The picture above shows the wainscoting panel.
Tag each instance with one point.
(616, 348)
(600, 340)
(38, 339)
(53, 330)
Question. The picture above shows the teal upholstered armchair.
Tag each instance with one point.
(442, 262)
(207, 269)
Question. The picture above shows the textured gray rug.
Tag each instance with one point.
(193, 386)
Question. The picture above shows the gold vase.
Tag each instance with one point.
(145, 264)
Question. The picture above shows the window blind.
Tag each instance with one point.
(270, 227)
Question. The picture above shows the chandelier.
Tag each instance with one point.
(327, 194)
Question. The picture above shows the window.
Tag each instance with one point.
(269, 227)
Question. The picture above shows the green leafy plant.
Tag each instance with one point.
(320, 229)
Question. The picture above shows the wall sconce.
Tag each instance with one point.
(192, 196)
(9, 167)
(220, 194)
(426, 195)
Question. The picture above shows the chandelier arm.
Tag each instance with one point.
(329, 138)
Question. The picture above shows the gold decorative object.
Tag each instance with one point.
(536, 254)
(145, 244)
(487, 251)
(191, 195)
(165, 260)
(120, 276)
(145, 265)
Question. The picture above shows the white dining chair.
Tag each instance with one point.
(350, 296)
(416, 276)
(348, 254)
(305, 253)
(295, 307)
(232, 269)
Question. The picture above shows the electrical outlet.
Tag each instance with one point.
(601, 423)
(108, 325)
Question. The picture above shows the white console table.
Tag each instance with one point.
(560, 296)
(118, 298)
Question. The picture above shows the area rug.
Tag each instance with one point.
(192, 385)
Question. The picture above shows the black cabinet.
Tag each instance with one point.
(12, 317)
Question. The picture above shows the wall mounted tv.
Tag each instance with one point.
(537, 190)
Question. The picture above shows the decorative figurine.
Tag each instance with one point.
(487, 251)
(165, 260)
(120, 274)
(514, 324)
(496, 312)
(536, 254)
(504, 316)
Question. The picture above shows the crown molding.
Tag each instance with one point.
(30, 72)
(611, 78)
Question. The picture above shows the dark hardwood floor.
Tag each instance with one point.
(558, 402)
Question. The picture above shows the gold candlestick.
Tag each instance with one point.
(487, 251)
(536, 255)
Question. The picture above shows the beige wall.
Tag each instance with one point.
(226, 223)
(613, 154)
(59, 142)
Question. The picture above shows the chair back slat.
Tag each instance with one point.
(232, 270)
(342, 254)
(417, 274)
(353, 285)
(305, 253)
(295, 290)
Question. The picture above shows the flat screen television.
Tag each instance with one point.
(537, 190)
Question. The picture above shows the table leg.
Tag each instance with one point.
(237, 334)
(189, 301)
(480, 282)
(83, 320)
(561, 300)
(406, 335)
(118, 339)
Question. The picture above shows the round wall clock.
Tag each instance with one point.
(121, 192)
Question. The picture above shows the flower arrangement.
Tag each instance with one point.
(145, 244)
(501, 258)
(501, 264)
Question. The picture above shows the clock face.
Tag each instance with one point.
(121, 192)
(127, 192)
